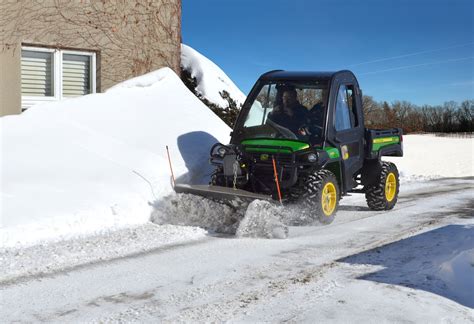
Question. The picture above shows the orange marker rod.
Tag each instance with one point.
(276, 179)
(171, 167)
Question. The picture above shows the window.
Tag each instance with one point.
(262, 106)
(76, 76)
(37, 74)
(286, 109)
(50, 74)
(346, 114)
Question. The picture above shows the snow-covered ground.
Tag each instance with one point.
(430, 157)
(411, 264)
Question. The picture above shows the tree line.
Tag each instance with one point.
(449, 117)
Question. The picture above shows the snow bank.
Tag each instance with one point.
(98, 162)
(210, 78)
(430, 157)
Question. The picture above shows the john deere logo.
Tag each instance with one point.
(264, 157)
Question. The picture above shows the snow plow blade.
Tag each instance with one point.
(219, 193)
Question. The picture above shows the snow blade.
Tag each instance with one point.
(219, 193)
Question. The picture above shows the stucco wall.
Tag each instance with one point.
(10, 83)
(129, 37)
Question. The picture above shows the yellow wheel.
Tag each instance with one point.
(383, 193)
(329, 199)
(390, 187)
(321, 197)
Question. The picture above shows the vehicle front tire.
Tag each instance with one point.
(321, 196)
(383, 194)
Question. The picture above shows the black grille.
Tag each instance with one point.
(266, 158)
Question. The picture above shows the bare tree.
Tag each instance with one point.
(402, 110)
(465, 116)
(371, 110)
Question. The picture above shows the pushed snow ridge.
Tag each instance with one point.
(262, 219)
(191, 210)
(257, 219)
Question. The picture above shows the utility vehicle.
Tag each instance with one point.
(311, 156)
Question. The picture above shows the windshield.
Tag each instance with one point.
(291, 110)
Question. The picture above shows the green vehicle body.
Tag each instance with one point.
(254, 166)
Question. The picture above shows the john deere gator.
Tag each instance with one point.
(300, 138)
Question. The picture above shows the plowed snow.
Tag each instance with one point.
(259, 219)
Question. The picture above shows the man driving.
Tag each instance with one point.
(289, 113)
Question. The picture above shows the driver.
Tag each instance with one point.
(289, 113)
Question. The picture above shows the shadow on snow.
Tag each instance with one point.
(440, 261)
(194, 148)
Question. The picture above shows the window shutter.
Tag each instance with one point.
(76, 75)
(37, 74)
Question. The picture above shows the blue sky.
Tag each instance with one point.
(416, 50)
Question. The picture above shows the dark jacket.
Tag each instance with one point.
(294, 122)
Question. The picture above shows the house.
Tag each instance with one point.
(55, 49)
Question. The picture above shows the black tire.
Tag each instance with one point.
(315, 186)
(378, 195)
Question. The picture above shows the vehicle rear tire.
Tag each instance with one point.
(383, 194)
(321, 196)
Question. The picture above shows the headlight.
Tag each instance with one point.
(221, 151)
(312, 157)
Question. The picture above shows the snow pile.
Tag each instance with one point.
(143, 81)
(429, 157)
(94, 163)
(210, 78)
(262, 219)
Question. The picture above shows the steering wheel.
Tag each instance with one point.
(282, 131)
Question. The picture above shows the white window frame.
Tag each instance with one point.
(57, 74)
